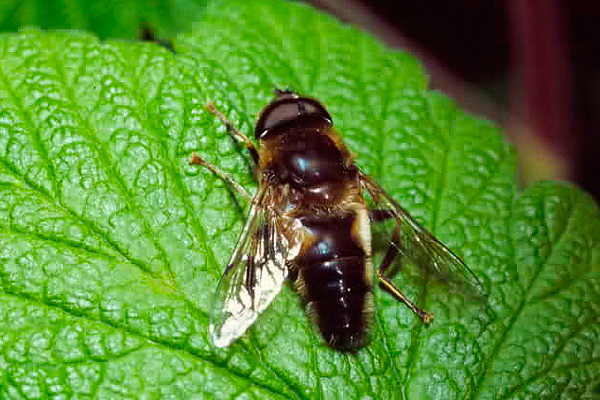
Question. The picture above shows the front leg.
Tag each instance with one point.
(234, 132)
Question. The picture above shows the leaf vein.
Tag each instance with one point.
(157, 342)
(543, 372)
(26, 118)
(106, 159)
(505, 333)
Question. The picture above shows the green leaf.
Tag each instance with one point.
(112, 244)
(106, 18)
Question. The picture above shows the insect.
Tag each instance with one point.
(309, 218)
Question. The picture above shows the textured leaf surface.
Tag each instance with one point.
(111, 244)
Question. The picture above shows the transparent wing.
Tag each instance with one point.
(422, 248)
(254, 275)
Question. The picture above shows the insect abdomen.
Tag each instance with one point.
(333, 272)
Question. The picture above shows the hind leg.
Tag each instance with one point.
(390, 256)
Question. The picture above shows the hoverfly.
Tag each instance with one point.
(309, 218)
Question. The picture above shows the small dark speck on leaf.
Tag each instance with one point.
(147, 34)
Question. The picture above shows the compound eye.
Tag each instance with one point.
(288, 110)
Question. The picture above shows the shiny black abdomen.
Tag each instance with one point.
(333, 270)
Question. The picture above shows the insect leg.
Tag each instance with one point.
(380, 215)
(392, 251)
(234, 132)
(424, 316)
(391, 254)
(195, 160)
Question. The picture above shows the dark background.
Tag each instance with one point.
(531, 66)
